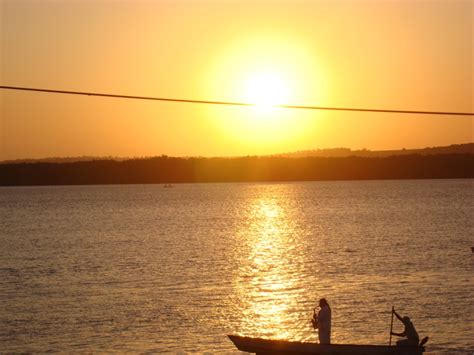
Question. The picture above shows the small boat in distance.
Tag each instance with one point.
(268, 346)
(167, 185)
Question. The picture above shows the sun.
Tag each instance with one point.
(266, 72)
(266, 89)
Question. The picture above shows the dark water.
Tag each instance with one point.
(146, 268)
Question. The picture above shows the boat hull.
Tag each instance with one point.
(267, 346)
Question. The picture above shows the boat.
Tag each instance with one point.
(269, 346)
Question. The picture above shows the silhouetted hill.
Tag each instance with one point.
(60, 159)
(245, 169)
(467, 148)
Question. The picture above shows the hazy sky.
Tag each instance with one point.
(415, 55)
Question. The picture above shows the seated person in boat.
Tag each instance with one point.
(409, 332)
(322, 321)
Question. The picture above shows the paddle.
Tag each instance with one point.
(391, 327)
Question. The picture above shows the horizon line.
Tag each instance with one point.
(116, 157)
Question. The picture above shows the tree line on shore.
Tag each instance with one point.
(167, 170)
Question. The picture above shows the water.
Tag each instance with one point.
(145, 268)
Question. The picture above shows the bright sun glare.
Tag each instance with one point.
(266, 89)
(265, 72)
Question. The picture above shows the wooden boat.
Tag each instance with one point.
(268, 346)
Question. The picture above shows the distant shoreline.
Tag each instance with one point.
(467, 148)
(170, 170)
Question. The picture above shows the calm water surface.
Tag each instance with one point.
(147, 268)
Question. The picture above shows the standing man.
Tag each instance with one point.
(322, 321)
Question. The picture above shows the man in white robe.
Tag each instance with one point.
(322, 322)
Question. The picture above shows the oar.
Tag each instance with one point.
(391, 327)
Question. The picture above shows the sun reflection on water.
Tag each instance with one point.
(268, 275)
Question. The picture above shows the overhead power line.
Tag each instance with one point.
(235, 103)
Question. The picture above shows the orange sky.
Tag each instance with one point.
(415, 55)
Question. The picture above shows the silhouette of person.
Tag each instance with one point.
(322, 321)
(412, 338)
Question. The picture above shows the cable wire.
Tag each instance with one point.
(51, 91)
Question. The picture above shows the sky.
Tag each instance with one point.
(401, 55)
